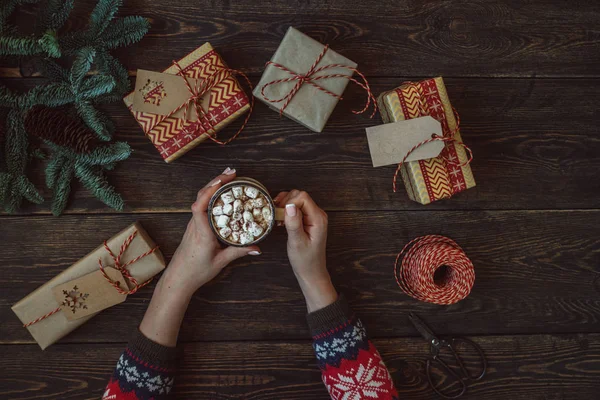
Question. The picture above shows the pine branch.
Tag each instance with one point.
(29, 46)
(125, 31)
(108, 154)
(55, 13)
(96, 85)
(95, 120)
(81, 65)
(62, 189)
(55, 165)
(109, 65)
(103, 13)
(52, 70)
(94, 180)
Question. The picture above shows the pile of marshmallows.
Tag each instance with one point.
(242, 215)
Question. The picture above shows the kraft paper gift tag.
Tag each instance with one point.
(42, 301)
(160, 93)
(390, 143)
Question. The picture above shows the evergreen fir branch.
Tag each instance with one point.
(94, 180)
(7, 97)
(62, 189)
(28, 190)
(95, 120)
(102, 14)
(125, 31)
(51, 95)
(27, 46)
(81, 65)
(73, 41)
(108, 154)
(5, 181)
(96, 85)
(55, 13)
(109, 65)
(55, 165)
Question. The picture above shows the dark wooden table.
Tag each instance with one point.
(525, 78)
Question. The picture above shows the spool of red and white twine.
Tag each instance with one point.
(418, 261)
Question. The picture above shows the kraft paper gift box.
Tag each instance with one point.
(43, 301)
(310, 106)
(176, 135)
(431, 179)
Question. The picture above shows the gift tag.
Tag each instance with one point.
(160, 93)
(389, 143)
(89, 294)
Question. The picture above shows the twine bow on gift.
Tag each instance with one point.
(195, 101)
(450, 137)
(122, 268)
(311, 77)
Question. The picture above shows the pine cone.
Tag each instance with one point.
(60, 128)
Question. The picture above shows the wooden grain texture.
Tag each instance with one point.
(520, 367)
(535, 142)
(394, 38)
(537, 272)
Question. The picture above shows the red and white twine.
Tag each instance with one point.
(311, 77)
(418, 261)
(118, 266)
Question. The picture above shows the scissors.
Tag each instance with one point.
(460, 374)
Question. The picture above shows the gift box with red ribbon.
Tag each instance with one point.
(447, 174)
(216, 104)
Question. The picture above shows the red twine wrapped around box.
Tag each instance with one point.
(448, 137)
(195, 99)
(310, 78)
(118, 266)
(418, 261)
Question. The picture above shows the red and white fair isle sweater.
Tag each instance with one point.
(351, 367)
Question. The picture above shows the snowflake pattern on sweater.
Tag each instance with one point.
(351, 366)
(136, 379)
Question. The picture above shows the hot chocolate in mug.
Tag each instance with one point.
(242, 213)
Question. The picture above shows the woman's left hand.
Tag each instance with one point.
(199, 257)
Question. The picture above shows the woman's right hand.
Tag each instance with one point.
(306, 225)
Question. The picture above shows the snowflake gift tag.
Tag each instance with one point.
(89, 294)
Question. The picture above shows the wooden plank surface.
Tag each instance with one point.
(535, 143)
(537, 272)
(520, 367)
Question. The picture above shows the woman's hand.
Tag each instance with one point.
(199, 257)
(306, 225)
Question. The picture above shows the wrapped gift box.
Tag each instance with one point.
(432, 179)
(175, 136)
(42, 301)
(310, 106)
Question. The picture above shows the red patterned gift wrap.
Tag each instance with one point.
(447, 174)
(173, 136)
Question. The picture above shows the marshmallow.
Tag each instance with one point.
(248, 217)
(228, 209)
(257, 214)
(267, 214)
(259, 203)
(255, 229)
(264, 224)
(218, 203)
(225, 232)
(246, 237)
(235, 236)
(235, 226)
(251, 192)
(227, 197)
(237, 191)
(222, 221)
(237, 216)
(218, 210)
(238, 206)
(248, 206)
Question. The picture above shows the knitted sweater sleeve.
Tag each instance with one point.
(144, 371)
(351, 366)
